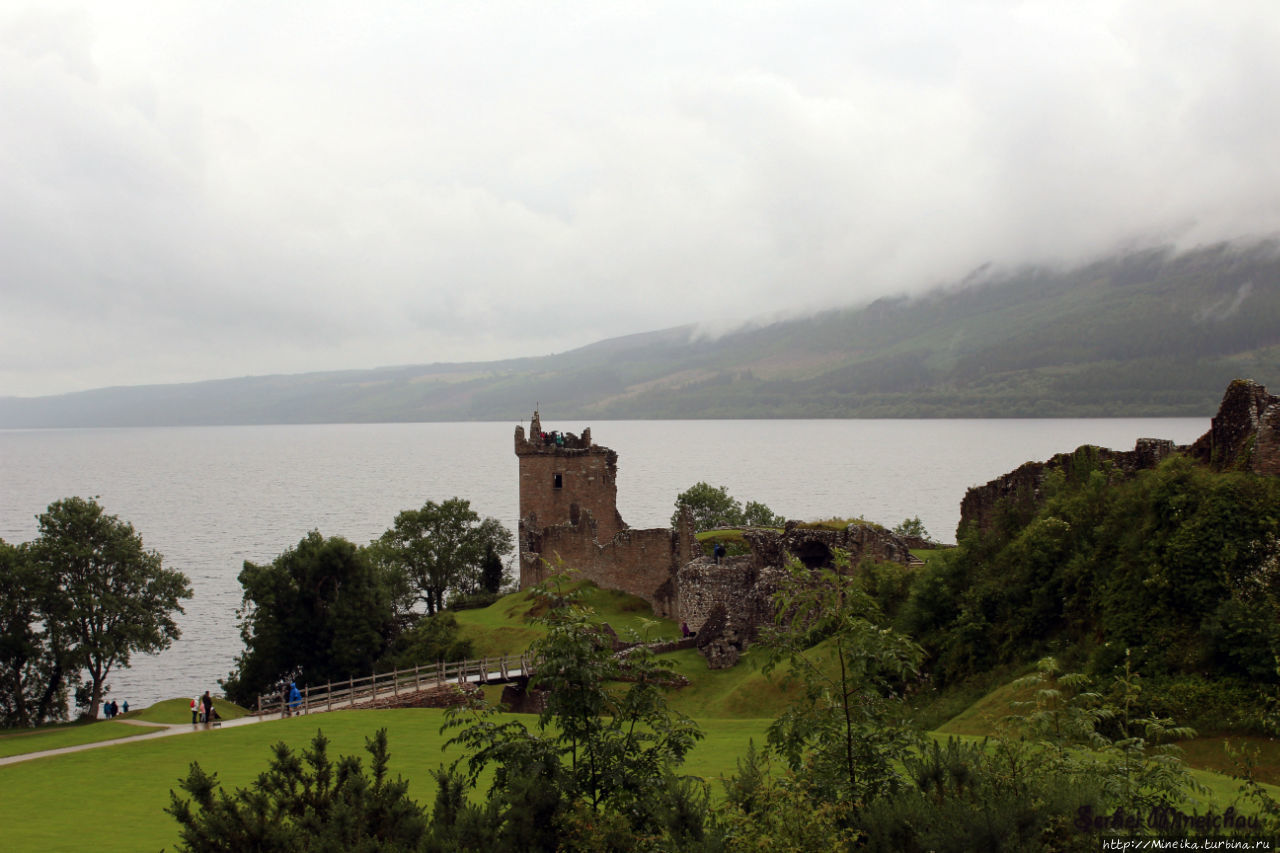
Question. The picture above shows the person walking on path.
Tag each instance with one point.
(295, 698)
(195, 712)
(206, 702)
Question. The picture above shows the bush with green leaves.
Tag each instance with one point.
(1179, 564)
(302, 803)
(1085, 732)
(431, 639)
(991, 796)
(600, 766)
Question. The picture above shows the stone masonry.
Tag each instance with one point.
(726, 603)
(569, 518)
(1244, 435)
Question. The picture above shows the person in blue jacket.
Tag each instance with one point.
(295, 698)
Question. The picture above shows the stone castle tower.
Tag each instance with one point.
(569, 518)
(564, 479)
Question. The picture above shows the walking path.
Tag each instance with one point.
(161, 730)
(337, 697)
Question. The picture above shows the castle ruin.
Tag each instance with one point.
(569, 519)
(1243, 436)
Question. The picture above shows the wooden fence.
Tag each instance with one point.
(358, 691)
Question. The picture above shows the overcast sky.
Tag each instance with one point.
(203, 190)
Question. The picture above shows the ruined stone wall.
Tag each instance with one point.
(1266, 452)
(558, 482)
(1023, 487)
(640, 562)
(587, 482)
(702, 585)
(742, 588)
(816, 547)
(1245, 433)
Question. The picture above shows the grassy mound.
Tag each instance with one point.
(504, 627)
(175, 711)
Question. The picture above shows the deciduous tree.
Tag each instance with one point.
(711, 506)
(109, 596)
(320, 611)
(847, 729)
(442, 547)
(34, 675)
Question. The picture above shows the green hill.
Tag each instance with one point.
(1150, 333)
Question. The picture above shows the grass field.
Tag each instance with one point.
(56, 737)
(113, 798)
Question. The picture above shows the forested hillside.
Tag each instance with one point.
(1147, 333)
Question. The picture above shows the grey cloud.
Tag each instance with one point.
(196, 192)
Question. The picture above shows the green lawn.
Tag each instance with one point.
(113, 799)
(56, 737)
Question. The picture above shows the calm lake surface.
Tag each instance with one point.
(209, 498)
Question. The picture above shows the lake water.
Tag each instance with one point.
(209, 498)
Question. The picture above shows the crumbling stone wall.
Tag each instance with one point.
(640, 562)
(1023, 487)
(704, 586)
(1266, 450)
(1243, 435)
(559, 482)
(816, 547)
(727, 603)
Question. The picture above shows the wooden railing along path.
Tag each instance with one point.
(398, 682)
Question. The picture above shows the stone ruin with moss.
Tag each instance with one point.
(569, 520)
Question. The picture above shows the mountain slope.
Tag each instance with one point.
(1142, 333)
